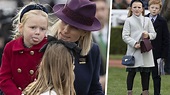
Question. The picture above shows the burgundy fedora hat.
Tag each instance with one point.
(78, 13)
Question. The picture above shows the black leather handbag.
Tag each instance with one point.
(128, 60)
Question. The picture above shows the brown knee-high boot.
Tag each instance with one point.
(129, 92)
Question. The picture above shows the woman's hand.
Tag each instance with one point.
(137, 45)
(145, 34)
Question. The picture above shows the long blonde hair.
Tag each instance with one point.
(55, 72)
(17, 21)
(84, 42)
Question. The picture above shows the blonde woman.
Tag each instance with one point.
(76, 21)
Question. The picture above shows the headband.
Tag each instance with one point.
(137, 1)
(72, 47)
(33, 7)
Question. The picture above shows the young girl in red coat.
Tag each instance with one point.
(21, 56)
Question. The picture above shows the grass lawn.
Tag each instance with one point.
(117, 83)
(117, 56)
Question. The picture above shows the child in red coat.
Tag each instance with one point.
(21, 56)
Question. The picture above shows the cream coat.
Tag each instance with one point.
(132, 31)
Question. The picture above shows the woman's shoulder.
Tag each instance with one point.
(94, 45)
(94, 49)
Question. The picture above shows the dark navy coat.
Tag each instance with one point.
(87, 72)
(160, 43)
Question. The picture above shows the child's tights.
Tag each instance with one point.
(144, 80)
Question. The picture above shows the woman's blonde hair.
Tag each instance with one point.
(130, 10)
(17, 20)
(84, 42)
(55, 72)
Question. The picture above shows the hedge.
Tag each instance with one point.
(117, 46)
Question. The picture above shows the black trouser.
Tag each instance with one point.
(144, 80)
(167, 61)
(156, 79)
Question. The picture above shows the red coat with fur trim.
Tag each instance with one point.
(19, 65)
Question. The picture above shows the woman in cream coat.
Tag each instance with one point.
(135, 26)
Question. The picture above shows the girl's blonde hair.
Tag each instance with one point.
(130, 9)
(55, 72)
(17, 20)
(84, 42)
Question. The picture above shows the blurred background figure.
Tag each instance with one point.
(166, 14)
(124, 4)
(166, 11)
(128, 3)
(119, 4)
(7, 12)
(47, 3)
(101, 37)
(145, 2)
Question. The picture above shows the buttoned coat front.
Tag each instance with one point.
(133, 28)
(19, 65)
(87, 72)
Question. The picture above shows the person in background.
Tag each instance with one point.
(55, 73)
(21, 56)
(145, 2)
(160, 43)
(7, 12)
(76, 21)
(136, 26)
(165, 13)
(119, 4)
(101, 36)
(128, 3)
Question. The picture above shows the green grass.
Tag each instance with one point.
(117, 56)
(117, 83)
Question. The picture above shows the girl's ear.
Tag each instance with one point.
(20, 28)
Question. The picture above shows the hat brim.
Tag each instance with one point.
(58, 12)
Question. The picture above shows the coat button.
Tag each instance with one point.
(31, 72)
(19, 88)
(32, 52)
(21, 52)
(19, 70)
